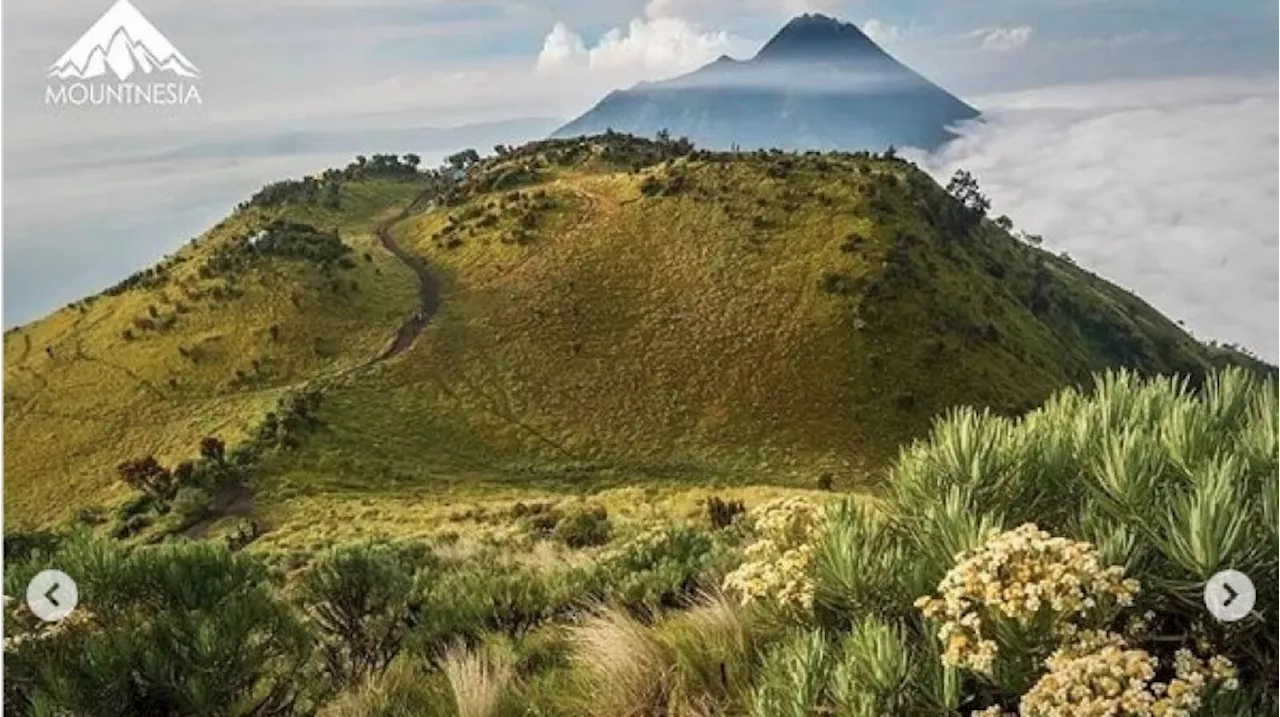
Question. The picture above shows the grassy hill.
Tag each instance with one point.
(604, 312)
(202, 344)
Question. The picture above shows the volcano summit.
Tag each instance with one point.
(818, 84)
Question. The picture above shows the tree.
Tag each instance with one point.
(1004, 222)
(463, 159)
(664, 136)
(972, 203)
(147, 475)
(412, 160)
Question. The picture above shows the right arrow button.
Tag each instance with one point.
(1229, 595)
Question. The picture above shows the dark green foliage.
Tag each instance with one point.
(463, 159)
(182, 629)
(295, 417)
(720, 513)
(283, 239)
(970, 206)
(583, 527)
(19, 546)
(147, 475)
(326, 189)
(191, 504)
(492, 594)
(358, 599)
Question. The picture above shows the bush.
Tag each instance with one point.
(357, 597)
(491, 595)
(185, 628)
(192, 505)
(662, 567)
(583, 527)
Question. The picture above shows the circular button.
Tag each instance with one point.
(1229, 595)
(52, 595)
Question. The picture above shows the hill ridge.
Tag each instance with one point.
(593, 309)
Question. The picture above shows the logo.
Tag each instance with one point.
(122, 60)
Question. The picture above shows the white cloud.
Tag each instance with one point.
(648, 48)
(1004, 39)
(882, 33)
(1167, 188)
(705, 9)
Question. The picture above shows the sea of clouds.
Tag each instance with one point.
(1166, 187)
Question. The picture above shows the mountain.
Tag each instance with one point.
(563, 316)
(124, 41)
(818, 84)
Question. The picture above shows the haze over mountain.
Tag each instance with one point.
(818, 84)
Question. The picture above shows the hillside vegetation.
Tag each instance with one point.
(593, 313)
(202, 344)
(1049, 566)
(607, 319)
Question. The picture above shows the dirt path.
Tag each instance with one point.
(428, 288)
(238, 502)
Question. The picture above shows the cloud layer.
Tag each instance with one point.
(648, 47)
(1167, 188)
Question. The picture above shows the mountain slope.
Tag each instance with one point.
(818, 84)
(203, 344)
(714, 319)
(601, 312)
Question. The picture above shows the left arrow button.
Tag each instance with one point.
(52, 595)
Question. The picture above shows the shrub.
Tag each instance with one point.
(778, 564)
(583, 527)
(662, 567)
(192, 504)
(357, 597)
(184, 628)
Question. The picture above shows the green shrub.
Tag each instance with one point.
(1169, 483)
(662, 567)
(489, 594)
(136, 506)
(357, 597)
(191, 505)
(183, 628)
(583, 527)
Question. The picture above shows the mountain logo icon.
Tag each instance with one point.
(122, 41)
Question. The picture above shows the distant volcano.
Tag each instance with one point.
(818, 84)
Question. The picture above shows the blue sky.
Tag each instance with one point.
(294, 85)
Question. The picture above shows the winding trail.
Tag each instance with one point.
(428, 288)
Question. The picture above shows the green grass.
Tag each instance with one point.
(669, 340)
(730, 320)
(80, 397)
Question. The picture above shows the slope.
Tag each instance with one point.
(201, 344)
(609, 319)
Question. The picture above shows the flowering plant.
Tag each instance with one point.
(778, 565)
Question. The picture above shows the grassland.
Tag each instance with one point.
(607, 318)
(82, 395)
(755, 326)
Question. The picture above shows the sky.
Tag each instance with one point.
(1139, 136)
